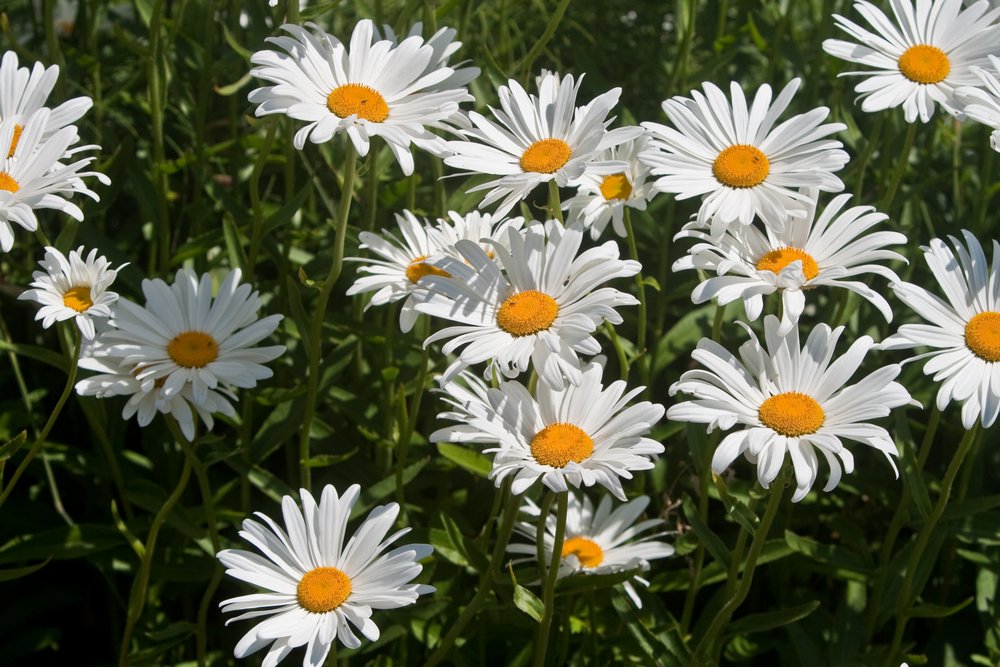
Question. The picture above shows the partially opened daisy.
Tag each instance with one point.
(963, 331)
(983, 104)
(24, 91)
(824, 250)
(319, 587)
(922, 57)
(738, 159)
(367, 89)
(597, 542)
(73, 287)
(790, 400)
(537, 139)
(537, 302)
(576, 436)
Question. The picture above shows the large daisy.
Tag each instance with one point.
(983, 104)
(538, 301)
(24, 91)
(964, 330)
(367, 89)
(920, 58)
(578, 435)
(790, 399)
(319, 587)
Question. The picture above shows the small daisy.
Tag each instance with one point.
(319, 588)
(825, 250)
(602, 197)
(983, 104)
(791, 400)
(601, 542)
(921, 58)
(578, 435)
(738, 159)
(73, 287)
(964, 330)
(368, 89)
(538, 139)
(538, 301)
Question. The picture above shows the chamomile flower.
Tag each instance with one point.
(922, 57)
(320, 588)
(538, 139)
(963, 331)
(24, 91)
(367, 89)
(73, 287)
(604, 541)
(824, 250)
(602, 197)
(983, 104)
(790, 400)
(537, 302)
(578, 435)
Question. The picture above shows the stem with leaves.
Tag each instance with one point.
(549, 592)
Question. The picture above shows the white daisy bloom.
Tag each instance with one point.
(24, 91)
(828, 249)
(602, 197)
(983, 104)
(790, 399)
(738, 159)
(964, 330)
(597, 542)
(920, 59)
(538, 139)
(319, 587)
(73, 287)
(537, 302)
(368, 89)
(577, 435)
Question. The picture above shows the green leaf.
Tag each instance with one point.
(61, 543)
(738, 510)
(526, 601)
(712, 542)
(836, 561)
(234, 244)
(324, 460)
(928, 610)
(18, 572)
(582, 582)
(470, 551)
(37, 353)
(464, 457)
(771, 619)
(385, 487)
(9, 448)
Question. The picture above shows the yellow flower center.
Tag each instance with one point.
(193, 349)
(418, 269)
(741, 166)
(545, 156)
(586, 551)
(527, 313)
(616, 186)
(982, 335)
(323, 589)
(791, 414)
(558, 444)
(78, 298)
(356, 99)
(18, 129)
(776, 260)
(8, 183)
(924, 63)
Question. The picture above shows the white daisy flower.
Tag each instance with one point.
(921, 58)
(964, 330)
(790, 400)
(73, 287)
(597, 542)
(369, 89)
(24, 91)
(602, 197)
(577, 435)
(826, 250)
(738, 159)
(537, 302)
(538, 139)
(319, 588)
(983, 104)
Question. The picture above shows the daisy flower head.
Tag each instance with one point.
(601, 541)
(73, 287)
(963, 330)
(24, 91)
(922, 57)
(537, 301)
(319, 587)
(738, 159)
(825, 250)
(369, 88)
(983, 104)
(537, 139)
(603, 194)
(579, 435)
(790, 399)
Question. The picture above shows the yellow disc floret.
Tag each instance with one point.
(193, 349)
(982, 335)
(323, 589)
(586, 551)
(558, 444)
(791, 414)
(741, 166)
(616, 186)
(8, 183)
(78, 298)
(776, 260)
(356, 99)
(527, 313)
(546, 156)
(418, 269)
(925, 64)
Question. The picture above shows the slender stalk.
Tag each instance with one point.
(861, 163)
(640, 286)
(549, 593)
(555, 207)
(256, 231)
(406, 433)
(550, 29)
(155, 81)
(901, 164)
(543, 515)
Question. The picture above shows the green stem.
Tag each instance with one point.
(720, 313)
(258, 214)
(555, 207)
(550, 29)
(871, 140)
(640, 286)
(549, 593)
(901, 164)
(155, 80)
(410, 425)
